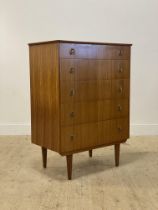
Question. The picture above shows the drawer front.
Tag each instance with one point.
(120, 69)
(68, 142)
(119, 129)
(85, 91)
(119, 108)
(84, 69)
(67, 114)
(93, 111)
(113, 131)
(120, 88)
(93, 90)
(70, 50)
(85, 112)
(68, 68)
(67, 91)
(84, 136)
(79, 137)
(119, 52)
(92, 51)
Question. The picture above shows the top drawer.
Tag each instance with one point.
(92, 51)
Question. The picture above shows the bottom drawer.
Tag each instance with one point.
(80, 136)
(84, 136)
(119, 130)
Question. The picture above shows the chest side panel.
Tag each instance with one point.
(44, 83)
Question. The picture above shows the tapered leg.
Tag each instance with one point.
(69, 166)
(90, 153)
(44, 157)
(117, 154)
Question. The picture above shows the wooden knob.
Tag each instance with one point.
(120, 69)
(119, 108)
(119, 129)
(72, 70)
(72, 51)
(72, 137)
(72, 92)
(72, 114)
(120, 89)
(120, 52)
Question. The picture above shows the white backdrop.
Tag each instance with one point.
(131, 21)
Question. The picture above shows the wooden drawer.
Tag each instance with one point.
(119, 129)
(91, 51)
(105, 135)
(93, 90)
(114, 131)
(67, 91)
(84, 69)
(79, 136)
(68, 68)
(105, 107)
(68, 142)
(119, 108)
(117, 52)
(93, 111)
(84, 136)
(120, 88)
(120, 69)
(85, 112)
(85, 91)
(70, 50)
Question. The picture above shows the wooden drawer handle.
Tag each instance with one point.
(120, 89)
(119, 129)
(72, 114)
(72, 70)
(72, 92)
(120, 52)
(72, 51)
(120, 69)
(72, 137)
(119, 108)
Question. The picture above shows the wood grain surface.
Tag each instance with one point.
(44, 83)
(79, 96)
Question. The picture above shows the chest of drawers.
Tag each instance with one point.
(79, 96)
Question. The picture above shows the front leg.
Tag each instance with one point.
(117, 154)
(69, 166)
(44, 157)
(90, 153)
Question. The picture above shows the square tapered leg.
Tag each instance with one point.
(117, 154)
(44, 157)
(69, 166)
(90, 153)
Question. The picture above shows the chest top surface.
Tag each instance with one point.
(80, 42)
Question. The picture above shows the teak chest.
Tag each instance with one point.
(79, 96)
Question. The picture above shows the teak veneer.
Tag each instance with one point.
(79, 96)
